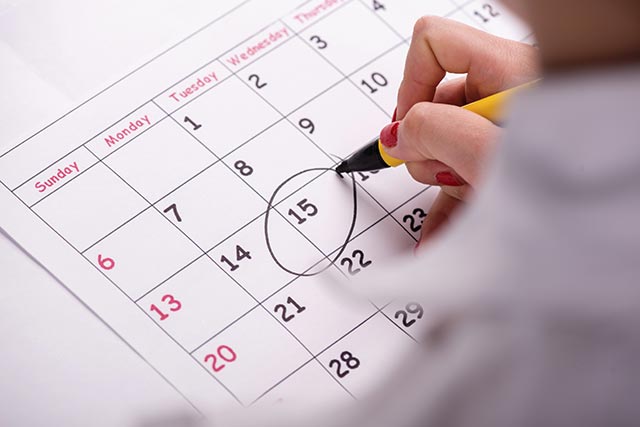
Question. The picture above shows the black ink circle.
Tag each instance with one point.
(270, 206)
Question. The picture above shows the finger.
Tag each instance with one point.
(452, 92)
(430, 172)
(438, 217)
(440, 45)
(451, 135)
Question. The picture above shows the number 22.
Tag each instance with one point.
(349, 262)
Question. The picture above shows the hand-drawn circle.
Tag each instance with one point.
(346, 240)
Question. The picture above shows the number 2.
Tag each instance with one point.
(256, 79)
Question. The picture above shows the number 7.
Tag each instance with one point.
(174, 208)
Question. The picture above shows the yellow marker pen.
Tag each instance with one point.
(373, 157)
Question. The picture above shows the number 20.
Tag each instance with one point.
(223, 352)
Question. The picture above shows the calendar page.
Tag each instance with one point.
(193, 207)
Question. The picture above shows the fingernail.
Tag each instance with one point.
(395, 114)
(448, 179)
(416, 248)
(389, 135)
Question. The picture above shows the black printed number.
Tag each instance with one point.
(195, 125)
(321, 44)
(282, 309)
(243, 168)
(378, 6)
(240, 255)
(306, 208)
(366, 175)
(173, 208)
(307, 125)
(256, 80)
(415, 219)
(488, 12)
(377, 80)
(356, 257)
(350, 361)
(411, 313)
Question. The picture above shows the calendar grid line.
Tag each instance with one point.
(129, 298)
(92, 311)
(325, 257)
(151, 101)
(396, 325)
(305, 364)
(310, 241)
(316, 355)
(344, 76)
(261, 302)
(251, 187)
(224, 15)
(195, 244)
(313, 356)
(238, 283)
(180, 80)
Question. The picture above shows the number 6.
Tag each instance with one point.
(106, 263)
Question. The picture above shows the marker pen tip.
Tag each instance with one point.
(342, 167)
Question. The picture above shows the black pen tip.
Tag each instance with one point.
(343, 167)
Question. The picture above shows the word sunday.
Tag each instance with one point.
(60, 175)
(132, 128)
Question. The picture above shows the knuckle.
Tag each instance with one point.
(425, 24)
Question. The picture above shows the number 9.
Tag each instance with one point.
(307, 125)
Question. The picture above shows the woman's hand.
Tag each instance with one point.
(442, 144)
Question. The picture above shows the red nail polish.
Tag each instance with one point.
(395, 114)
(448, 179)
(389, 135)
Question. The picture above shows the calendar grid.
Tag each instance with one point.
(131, 300)
(333, 158)
(216, 59)
(224, 160)
(206, 254)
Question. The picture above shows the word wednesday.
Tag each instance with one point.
(258, 47)
(125, 132)
(59, 176)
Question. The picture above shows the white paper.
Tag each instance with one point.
(140, 176)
